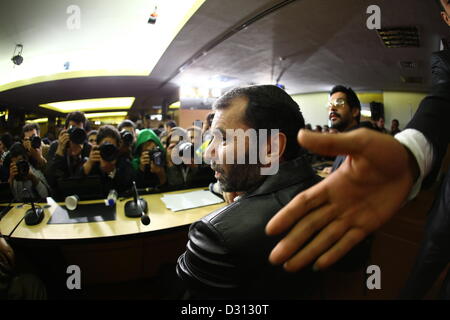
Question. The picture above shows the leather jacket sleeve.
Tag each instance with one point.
(207, 267)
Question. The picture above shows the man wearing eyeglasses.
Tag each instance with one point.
(344, 113)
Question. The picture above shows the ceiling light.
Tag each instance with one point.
(106, 114)
(90, 104)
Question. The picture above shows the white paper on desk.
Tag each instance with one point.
(189, 200)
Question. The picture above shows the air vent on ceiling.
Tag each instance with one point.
(405, 37)
(409, 65)
(412, 80)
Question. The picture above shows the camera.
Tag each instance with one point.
(157, 156)
(127, 137)
(35, 141)
(108, 152)
(23, 167)
(77, 135)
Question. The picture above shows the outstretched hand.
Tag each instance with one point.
(355, 200)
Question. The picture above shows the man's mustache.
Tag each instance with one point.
(334, 114)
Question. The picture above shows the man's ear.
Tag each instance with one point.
(276, 147)
(356, 112)
(445, 17)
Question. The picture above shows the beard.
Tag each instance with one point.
(340, 124)
(239, 177)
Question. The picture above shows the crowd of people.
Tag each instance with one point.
(116, 155)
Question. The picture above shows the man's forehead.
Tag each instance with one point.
(232, 116)
(338, 94)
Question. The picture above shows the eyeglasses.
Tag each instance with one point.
(338, 103)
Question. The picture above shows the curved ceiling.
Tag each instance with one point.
(308, 45)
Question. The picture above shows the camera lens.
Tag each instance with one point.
(35, 142)
(77, 135)
(127, 137)
(108, 152)
(157, 156)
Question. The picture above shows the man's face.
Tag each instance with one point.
(232, 177)
(446, 14)
(381, 123)
(92, 139)
(30, 133)
(149, 145)
(340, 114)
(394, 124)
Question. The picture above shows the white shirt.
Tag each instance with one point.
(422, 150)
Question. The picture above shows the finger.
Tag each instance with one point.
(320, 244)
(301, 233)
(335, 144)
(340, 249)
(304, 202)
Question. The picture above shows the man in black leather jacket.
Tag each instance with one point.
(227, 252)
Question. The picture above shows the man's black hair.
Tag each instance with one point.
(209, 119)
(171, 124)
(92, 132)
(108, 131)
(352, 98)
(76, 116)
(29, 127)
(269, 107)
(17, 149)
(7, 140)
(126, 123)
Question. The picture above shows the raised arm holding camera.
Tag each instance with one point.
(68, 154)
(23, 175)
(149, 162)
(32, 142)
(106, 161)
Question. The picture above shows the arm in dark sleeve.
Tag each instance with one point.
(431, 119)
(207, 268)
(55, 166)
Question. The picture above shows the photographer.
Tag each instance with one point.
(127, 130)
(68, 154)
(104, 160)
(185, 168)
(31, 140)
(149, 162)
(22, 174)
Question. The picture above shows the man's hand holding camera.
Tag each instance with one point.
(147, 163)
(21, 171)
(35, 151)
(63, 139)
(94, 157)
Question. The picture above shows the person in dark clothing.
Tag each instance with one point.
(68, 154)
(227, 252)
(344, 113)
(104, 160)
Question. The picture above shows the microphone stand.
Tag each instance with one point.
(34, 215)
(137, 207)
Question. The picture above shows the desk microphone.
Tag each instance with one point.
(34, 215)
(137, 207)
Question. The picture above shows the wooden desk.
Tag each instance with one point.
(161, 219)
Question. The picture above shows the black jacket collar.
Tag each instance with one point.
(289, 173)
